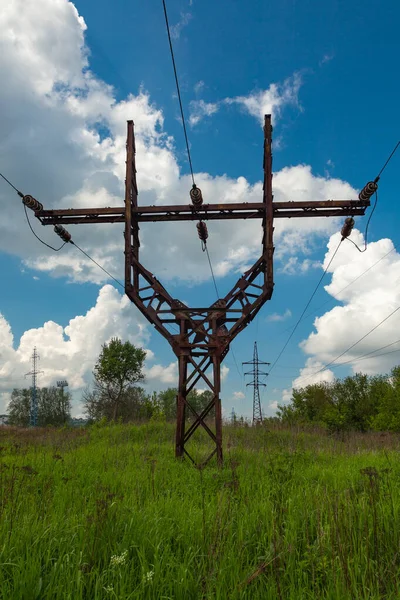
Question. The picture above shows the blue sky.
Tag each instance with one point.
(342, 121)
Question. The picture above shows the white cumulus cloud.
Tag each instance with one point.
(280, 316)
(200, 109)
(70, 352)
(63, 141)
(272, 100)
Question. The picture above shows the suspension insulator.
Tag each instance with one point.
(63, 233)
(202, 231)
(347, 227)
(196, 196)
(32, 203)
(368, 190)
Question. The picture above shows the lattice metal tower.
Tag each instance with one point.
(256, 383)
(33, 411)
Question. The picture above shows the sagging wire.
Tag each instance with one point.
(31, 202)
(349, 226)
(366, 193)
(195, 193)
(332, 362)
(179, 92)
(314, 312)
(38, 238)
(305, 308)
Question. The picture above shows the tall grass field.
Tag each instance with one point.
(109, 513)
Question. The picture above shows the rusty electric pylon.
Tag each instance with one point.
(205, 333)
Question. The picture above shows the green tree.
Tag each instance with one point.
(198, 401)
(118, 368)
(53, 407)
(167, 403)
(386, 395)
(134, 405)
(307, 405)
(19, 408)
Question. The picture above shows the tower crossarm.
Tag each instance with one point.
(208, 212)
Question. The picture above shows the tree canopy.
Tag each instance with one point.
(53, 407)
(117, 370)
(359, 402)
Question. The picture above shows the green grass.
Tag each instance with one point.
(109, 513)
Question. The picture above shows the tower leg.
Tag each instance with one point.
(218, 410)
(181, 407)
(187, 383)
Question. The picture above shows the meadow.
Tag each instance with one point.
(109, 513)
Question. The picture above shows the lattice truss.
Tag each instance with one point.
(200, 337)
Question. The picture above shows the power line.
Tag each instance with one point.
(178, 90)
(27, 217)
(37, 237)
(184, 125)
(96, 263)
(360, 340)
(13, 186)
(344, 288)
(236, 365)
(363, 356)
(212, 272)
(99, 265)
(366, 228)
(305, 308)
(388, 160)
(352, 346)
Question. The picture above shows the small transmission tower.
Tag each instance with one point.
(33, 413)
(255, 383)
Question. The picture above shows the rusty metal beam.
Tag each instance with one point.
(211, 212)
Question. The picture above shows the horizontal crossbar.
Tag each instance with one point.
(181, 212)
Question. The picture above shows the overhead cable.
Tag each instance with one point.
(310, 314)
(178, 91)
(305, 308)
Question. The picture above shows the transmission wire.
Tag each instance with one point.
(212, 272)
(310, 314)
(388, 160)
(358, 341)
(38, 238)
(96, 263)
(13, 186)
(305, 308)
(178, 90)
(332, 362)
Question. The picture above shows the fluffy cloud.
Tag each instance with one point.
(168, 374)
(200, 109)
(63, 141)
(365, 303)
(280, 317)
(257, 104)
(272, 100)
(294, 266)
(70, 352)
(183, 22)
(238, 395)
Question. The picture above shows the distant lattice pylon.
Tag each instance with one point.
(256, 383)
